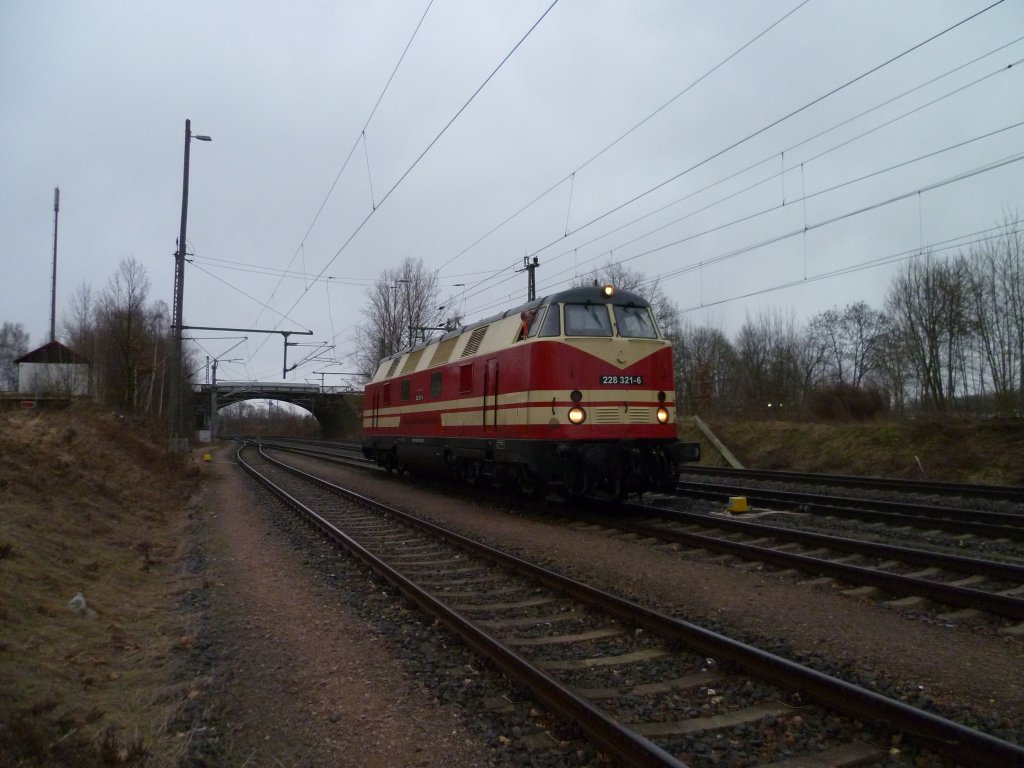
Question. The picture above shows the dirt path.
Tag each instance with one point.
(301, 680)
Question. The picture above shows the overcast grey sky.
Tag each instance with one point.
(728, 192)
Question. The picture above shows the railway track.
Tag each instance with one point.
(903, 577)
(637, 683)
(1013, 493)
(894, 513)
(973, 585)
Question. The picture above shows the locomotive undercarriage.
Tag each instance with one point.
(533, 467)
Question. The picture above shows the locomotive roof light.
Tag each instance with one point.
(577, 415)
(663, 415)
(608, 290)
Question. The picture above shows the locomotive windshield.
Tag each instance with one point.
(587, 320)
(635, 322)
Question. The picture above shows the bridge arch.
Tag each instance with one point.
(337, 410)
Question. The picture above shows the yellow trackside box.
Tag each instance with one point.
(737, 504)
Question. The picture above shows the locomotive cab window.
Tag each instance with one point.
(587, 320)
(538, 321)
(635, 322)
(551, 326)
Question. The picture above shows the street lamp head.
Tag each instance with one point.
(199, 137)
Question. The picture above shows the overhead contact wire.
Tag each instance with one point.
(594, 157)
(772, 124)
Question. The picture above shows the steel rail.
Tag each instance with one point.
(968, 565)
(623, 743)
(996, 604)
(1005, 492)
(355, 461)
(938, 734)
(947, 594)
(992, 524)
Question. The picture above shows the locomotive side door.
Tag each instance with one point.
(490, 405)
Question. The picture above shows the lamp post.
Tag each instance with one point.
(179, 429)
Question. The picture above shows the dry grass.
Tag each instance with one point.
(951, 449)
(88, 504)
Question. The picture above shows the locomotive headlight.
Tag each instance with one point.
(577, 415)
(663, 415)
(608, 290)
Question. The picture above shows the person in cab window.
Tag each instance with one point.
(526, 319)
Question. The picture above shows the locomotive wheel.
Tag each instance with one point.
(500, 478)
(617, 487)
(576, 480)
(668, 474)
(529, 484)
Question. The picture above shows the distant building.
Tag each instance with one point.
(53, 369)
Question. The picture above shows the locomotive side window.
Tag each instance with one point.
(587, 320)
(551, 325)
(466, 377)
(405, 389)
(538, 321)
(435, 384)
(635, 322)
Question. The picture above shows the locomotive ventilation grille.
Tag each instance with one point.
(474, 341)
(619, 415)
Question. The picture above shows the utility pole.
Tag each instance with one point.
(53, 286)
(179, 427)
(213, 402)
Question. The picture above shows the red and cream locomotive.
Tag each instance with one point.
(573, 392)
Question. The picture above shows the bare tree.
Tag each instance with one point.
(928, 304)
(771, 373)
(996, 284)
(848, 338)
(13, 344)
(402, 306)
(79, 323)
(123, 325)
(704, 364)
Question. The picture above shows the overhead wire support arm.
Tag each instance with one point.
(323, 345)
(286, 334)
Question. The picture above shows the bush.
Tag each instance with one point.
(845, 402)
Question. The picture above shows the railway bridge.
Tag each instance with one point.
(338, 410)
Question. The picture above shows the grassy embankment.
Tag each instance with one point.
(90, 505)
(950, 449)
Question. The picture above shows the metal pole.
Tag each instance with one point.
(213, 403)
(178, 430)
(284, 366)
(53, 287)
(179, 424)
